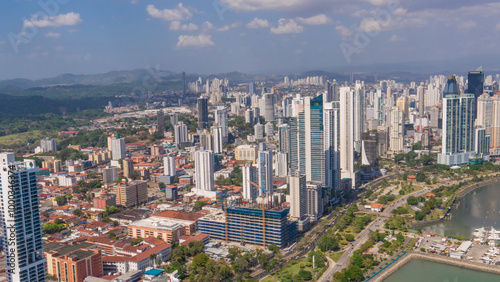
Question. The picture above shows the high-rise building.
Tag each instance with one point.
(482, 142)
(284, 138)
(281, 164)
(458, 125)
(161, 122)
(221, 120)
(475, 82)
(347, 134)
(421, 99)
(359, 115)
(218, 139)
(314, 196)
(495, 126)
(268, 110)
(204, 175)
(403, 105)
(118, 148)
(20, 214)
(109, 174)
(265, 169)
(180, 133)
(250, 173)
(202, 113)
(48, 145)
(397, 131)
(131, 194)
(331, 122)
(249, 116)
(259, 131)
(269, 129)
(128, 167)
(298, 200)
(174, 119)
(169, 167)
(251, 88)
(207, 140)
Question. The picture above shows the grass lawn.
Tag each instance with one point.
(20, 137)
(294, 269)
(337, 256)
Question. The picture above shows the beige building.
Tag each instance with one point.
(246, 153)
(131, 194)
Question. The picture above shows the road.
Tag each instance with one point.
(363, 236)
(328, 274)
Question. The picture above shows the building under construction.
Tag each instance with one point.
(244, 224)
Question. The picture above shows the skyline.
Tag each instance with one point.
(254, 36)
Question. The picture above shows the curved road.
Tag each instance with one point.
(328, 274)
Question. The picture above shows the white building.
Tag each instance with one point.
(298, 200)
(180, 133)
(265, 169)
(46, 145)
(281, 164)
(22, 229)
(221, 120)
(204, 175)
(250, 192)
(314, 197)
(169, 167)
(397, 131)
(117, 148)
(347, 134)
(218, 138)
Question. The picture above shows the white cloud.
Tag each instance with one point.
(2, 42)
(52, 35)
(195, 41)
(68, 19)
(72, 30)
(228, 27)
(466, 24)
(178, 14)
(395, 38)
(207, 26)
(287, 26)
(176, 25)
(497, 27)
(343, 31)
(277, 5)
(59, 48)
(258, 23)
(315, 20)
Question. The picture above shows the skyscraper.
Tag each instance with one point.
(180, 133)
(118, 147)
(268, 107)
(475, 82)
(221, 120)
(359, 115)
(250, 192)
(458, 125)
(174, 119)
(347, 133)
(421, 99)
(265, 169)
(169, 167)
(204, 175)
(298, 200)
(161, 122)
(284, 138)
(396, 135)
(331, 121)
(218, 139)
(202, 113)
(21, 220)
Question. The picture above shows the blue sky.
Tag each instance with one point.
(254, 36)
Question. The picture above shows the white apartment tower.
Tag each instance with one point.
(117, 148)
(169, 167)
(204, 175)
(347, 133)
(20, 216)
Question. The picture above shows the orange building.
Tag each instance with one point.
(167, 230)
(73, 263)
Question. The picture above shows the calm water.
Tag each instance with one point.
(480, 207)
(422, 270)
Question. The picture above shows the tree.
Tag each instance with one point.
(273, 248)
(77, 212)
(152, 257)
(200, 260)
(306, 275)
(198, 205)
(68, 196)
(233, 253)
(399, 157)
(426, 160)
(112, 235)
(195, 248)
(60, 200)
(319, 258)
(421, 177)
(412, 200)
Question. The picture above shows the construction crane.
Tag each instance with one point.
(263, 192)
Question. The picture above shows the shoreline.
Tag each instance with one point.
(391, 269)
(466, 190)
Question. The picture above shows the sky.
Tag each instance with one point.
(45, 38)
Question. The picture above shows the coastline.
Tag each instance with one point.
(466, 190)
(433, 258)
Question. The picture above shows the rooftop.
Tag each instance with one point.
(165, 225)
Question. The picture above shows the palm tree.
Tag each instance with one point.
(152, 257)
